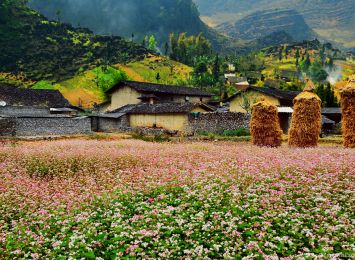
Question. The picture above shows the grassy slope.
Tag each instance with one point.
(147, 69)
(82, 89)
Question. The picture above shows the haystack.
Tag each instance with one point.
(348, 114)
(306, 123)
(265, 125)
(310, 87)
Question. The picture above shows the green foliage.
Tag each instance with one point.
(317, 72)
(291, 86)
(106, 77)
(305, 64)
(186, 49)
(327, 95)
(152, 43)
(46, 50)
(158, 138)
(157, 17)
(237, 132)
(250, 62)
(43, 85)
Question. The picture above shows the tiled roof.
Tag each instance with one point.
(32, 97)
(280, 94)
(161, 89)
(160, 108)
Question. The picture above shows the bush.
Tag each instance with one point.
(158, 138)
(237, 132)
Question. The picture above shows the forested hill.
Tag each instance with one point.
(40, 49)
(129, 18)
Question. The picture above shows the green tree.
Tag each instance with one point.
(326, 94)
(317, 72)
(280, 53)
(202, 78)
(185, 49)
(216, 68)
(166, 49)
(105, 78)
(305, 64)
(152, 43)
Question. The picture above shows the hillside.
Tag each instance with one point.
(264, 23)
(84, 90)
(41, 49)
(275, 67)
(170, 72)
(332, 19)
(133, 19)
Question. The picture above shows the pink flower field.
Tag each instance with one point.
(133, 199)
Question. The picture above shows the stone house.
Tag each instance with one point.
(252, 94)
(131, 92)
(168, 116)
(239, 83)
(30, 112)
(172, 118)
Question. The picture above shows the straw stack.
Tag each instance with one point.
(265, 125)
(306, 123)
(348, 113)
(310, 87)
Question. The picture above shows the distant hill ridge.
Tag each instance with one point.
(263, 23)
(331, 19)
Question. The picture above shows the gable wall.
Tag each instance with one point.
(172, 122)
(124, 96)
(253, 97)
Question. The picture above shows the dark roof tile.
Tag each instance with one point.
(160, 108)
(280, 94)
(161, 89)
(15, 96)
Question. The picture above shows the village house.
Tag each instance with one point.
(25, 112)
(239, 83)
(131, 92)
(168, 116)
(243, 100)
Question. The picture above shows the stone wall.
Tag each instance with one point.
(44, 126)
(32, 126)
(7, 127)
(216, 122)
(107, 124)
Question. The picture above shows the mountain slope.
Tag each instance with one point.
(263, 23)
(42, 49)
(331, 19)
(127, 17)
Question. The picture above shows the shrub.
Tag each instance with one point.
(237, 132)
